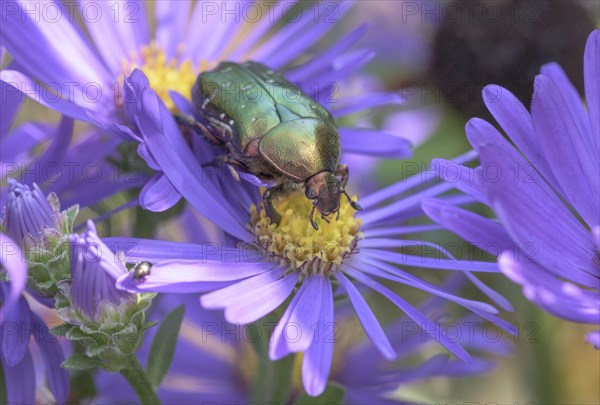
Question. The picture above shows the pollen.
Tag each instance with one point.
(296, 243)
(164, 74)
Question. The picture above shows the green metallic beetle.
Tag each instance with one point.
(141, 270)
(273, 130)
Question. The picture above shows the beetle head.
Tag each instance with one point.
(325, 190)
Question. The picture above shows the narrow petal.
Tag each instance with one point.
(46, 48)
(58, 377)
(159, 194)
(466, 179)
(19, 381)
(591, 70)
(524, 202)
(562, 141)
(482, 232)
(374, 143)
(153, 250)
(119, 31)
(171, 24)
(366, 102)
(14, 82)
(179, 276)
(425, 323)
(593, 338)
(16, 330)
(560, 298)
(296, 328)
(318, 357)
(14, 263)
(516, 121)
(253, 298)
(367, 319)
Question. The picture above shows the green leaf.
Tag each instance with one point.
(80, 362)
(333, 394)
(62, 329)
(163, 346)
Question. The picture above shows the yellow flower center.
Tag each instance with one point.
(295, 242)
(164, 74)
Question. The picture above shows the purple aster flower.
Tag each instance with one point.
(544, 189)
(18, 325)
(188, 39)
(269, 263)
(94, 272)
(214, 361)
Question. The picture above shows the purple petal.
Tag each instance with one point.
(434, 262)
(563, 299)
(14, 82)
(484, 233)
(591, 70)
(180, 276)
(51, 50)
(153, 250)
(323, 59)
(58, 377)
(574, 103)
(464, 178)
(524, 202)
(16, 331)
(561, 140)
(318, 357)
(425, 323)
(516, 121)
(20, 381)
(14, 263)
(593, 338)
(253, 298)
(367, 319)
(366, 102)
(158, 194)
(11, 103)
(171, 25)
(405, 185)
(374, 143)
(296, 328)
(119, 31)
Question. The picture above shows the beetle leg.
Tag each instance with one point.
(198, 128)
(342, 170)
(311, 217)
(270, 194)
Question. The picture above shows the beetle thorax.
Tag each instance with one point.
(295, 243)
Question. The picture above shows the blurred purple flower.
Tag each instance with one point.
(187, 40)
(254, 280)
(17, 325)
(545, 190)
(76, 170)
(215, 361)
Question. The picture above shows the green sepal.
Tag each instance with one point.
(80, 362)
(62, 329)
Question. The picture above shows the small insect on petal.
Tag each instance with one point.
(141, 270)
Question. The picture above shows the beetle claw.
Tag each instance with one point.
(324, 218)
(337, 217)
(353, 203)
(311, 217)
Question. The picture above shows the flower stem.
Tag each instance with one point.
(137, 378)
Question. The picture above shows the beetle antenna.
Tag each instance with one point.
(353, 203)
(311, 217)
